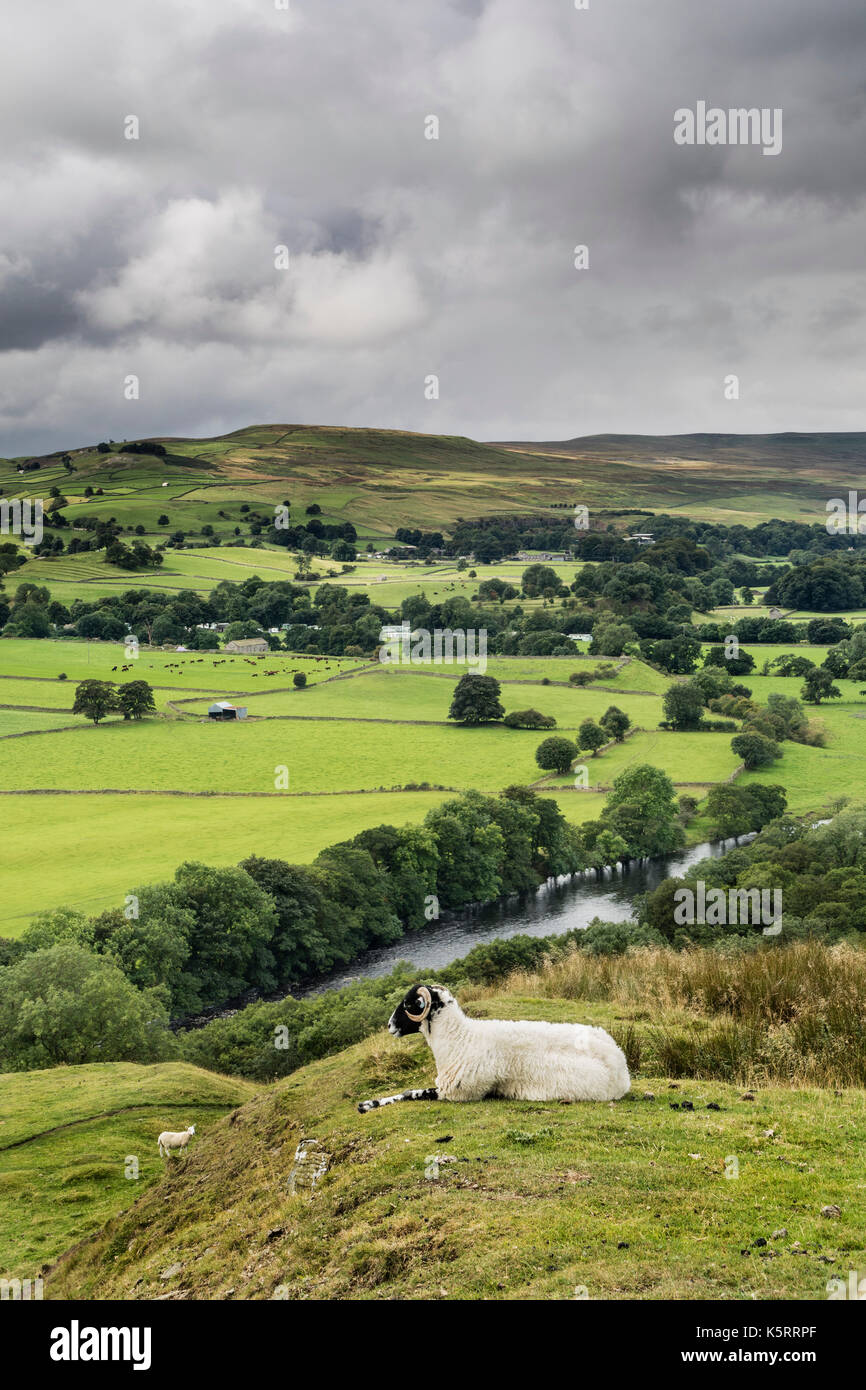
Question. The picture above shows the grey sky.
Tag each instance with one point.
(411, 257)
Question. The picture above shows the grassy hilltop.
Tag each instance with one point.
(382, 479)
(525, 1201)
(377, 479)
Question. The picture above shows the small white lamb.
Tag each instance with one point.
(174, 1139)
(481, 1059)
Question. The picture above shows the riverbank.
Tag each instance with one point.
(556, 907)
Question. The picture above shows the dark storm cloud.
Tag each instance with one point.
(31, 315)
(409, 257)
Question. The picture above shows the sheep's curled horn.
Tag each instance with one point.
(424, 994)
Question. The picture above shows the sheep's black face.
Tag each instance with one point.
(420, 1005)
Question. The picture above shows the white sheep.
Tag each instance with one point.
(174, 1139)
(479, 1058)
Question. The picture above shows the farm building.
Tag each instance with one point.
(248, 646)
(223, 709)
(775, 613)
(536, 555)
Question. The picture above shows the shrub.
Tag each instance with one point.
(556, 754)
(756, 750)
(65, 1005)
(529, 719)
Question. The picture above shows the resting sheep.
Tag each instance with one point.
(174, 1139)
(487, 1058)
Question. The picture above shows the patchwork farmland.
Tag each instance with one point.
(362, 743)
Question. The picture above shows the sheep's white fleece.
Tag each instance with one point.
(522, 1060)
(174, 1139)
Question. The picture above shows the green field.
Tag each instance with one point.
(576, 805)
(385, 582)
(533, 1200)
(100, 847)
(350, 745)
(37, 693)
(769, 651)
(66, 1140)
(13, 722)
(395, 693)
(247, 757)
(686, 758)
(762, 686)
(185, 671)
(814, 777)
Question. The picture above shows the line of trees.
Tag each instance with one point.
(77, 989)
(210, 934)
(739, 547)
(642, 607)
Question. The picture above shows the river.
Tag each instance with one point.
(555, 907)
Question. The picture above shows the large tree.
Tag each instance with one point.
(301, 944)
(738, 665)
(96, 699)
(136, 699)
(591, 735)
(234, 922)
(471, 850)
(736, 810)
(615, 723)
(556, 845)
(679, 655)
(819, 686)
(756, 750)
(476, 700)
(684, 705)
(611, 636)
(538, 578)
(408, 857)
(642, 808)
(828, 584)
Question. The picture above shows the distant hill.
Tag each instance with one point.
(722, 477)
(382, 479)
(757, 448)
